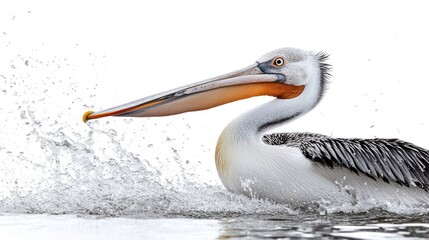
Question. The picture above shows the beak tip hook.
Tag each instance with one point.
(85, 116)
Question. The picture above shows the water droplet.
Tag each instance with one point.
(128, 121)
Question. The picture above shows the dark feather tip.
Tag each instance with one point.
(325, 71)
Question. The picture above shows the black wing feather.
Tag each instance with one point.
(386, 159)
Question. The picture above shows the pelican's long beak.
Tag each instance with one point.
(245, 83)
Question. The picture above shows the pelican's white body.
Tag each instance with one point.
(283, 174)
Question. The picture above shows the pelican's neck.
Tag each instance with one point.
(252, 124)
(245, 132)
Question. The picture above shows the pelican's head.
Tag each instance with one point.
(283, 73)
(298, 67)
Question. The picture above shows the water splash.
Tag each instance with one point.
(96, 174)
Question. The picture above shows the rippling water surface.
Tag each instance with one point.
(368, 225)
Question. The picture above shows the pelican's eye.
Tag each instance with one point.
(278, 62)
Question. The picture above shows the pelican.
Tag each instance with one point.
(294, 168)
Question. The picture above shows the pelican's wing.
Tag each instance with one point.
(387, 159)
